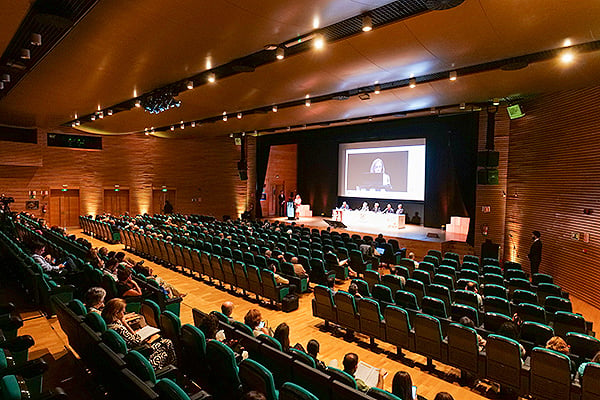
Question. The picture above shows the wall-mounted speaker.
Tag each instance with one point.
(488, 158)
(487, 176)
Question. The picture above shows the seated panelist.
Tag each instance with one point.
(376, 208)
(388, 209)
(365, 207)
(345, 206)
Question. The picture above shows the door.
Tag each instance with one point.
(116, 203)
(276, 188)
(64, 208)
(158, 200)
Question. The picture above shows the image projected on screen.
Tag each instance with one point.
(393, 169)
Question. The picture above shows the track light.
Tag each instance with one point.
(25, 54)
(101, 115)
(307, 101)
(36, 39)
(280, 53)
(146, 131)
(412, 82)
(212, 77)
(452, 75)
(432, 110)
(239, 115)
(193, 124)
(182, 126)
(138, 103)
(463, 106)
(377, 89)
(72, 124)
(225, 116)
(93, 117)
(77, 122)
(370, 119)
(5, 78)
(1, 85)
(109, 113)
(496, 101)
(567, 57)
(319, 41)
(172, 128)
(367, 23)
(189, 85)
(274, 108)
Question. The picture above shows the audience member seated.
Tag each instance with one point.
(298, 268)
(126, 286)
(402, 386)
(94, 299)
(511, 331)
(227, 309)
(254, 395)
(472, 287)
(254, 320)
(353, 290)
(312, 349)
(351, 363)
(411, 255)
(110, 268)
(210, 327)
(282, 334)
(130, 262)
(44, 262)
(559, 345)
(443, 396)
(163, 351)
(468, 322)
(93, 257)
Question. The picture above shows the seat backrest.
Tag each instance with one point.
(269, 341)
(380, 394)
(193, 344)
(139, 365)
(221, 360)
(463, 347)
(466, 297)
(493, 321)
(495, 290)
(428, 334)
(590, 382)
(372, 278)
(434, 306)
(541, 278)
(303, 357)
(369, 310)
(536, 333)
(151, 312)
(524, 296)
(242, 327)
(406, 299)
(531, 312)
(95, 321)
(114, 341)
(458, 311)
(345, 302)
(583, 345)
(291, 391)
(341, 376)
(422, 275)
(550, 374)
(256, 377)
(363, 287)
(77, 307)
(393, 282)
(169, 390)
(170, 325)
(440, 292)
(383, 294)
(554, 303)
(565, 322)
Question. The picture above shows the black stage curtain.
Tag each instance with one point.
(262, 161)
(451, 162)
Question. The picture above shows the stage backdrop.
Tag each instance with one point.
(451, 162)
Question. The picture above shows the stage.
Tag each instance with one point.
(416, 238)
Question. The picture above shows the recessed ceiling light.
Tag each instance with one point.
(239, 115)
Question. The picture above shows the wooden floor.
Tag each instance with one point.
(303, 327)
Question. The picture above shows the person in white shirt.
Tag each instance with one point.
(400, 210)
(38, 251)
(365, 206)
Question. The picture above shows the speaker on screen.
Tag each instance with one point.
(487, 176)
(488, 158)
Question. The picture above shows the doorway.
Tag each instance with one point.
(158, 200)
(64, 207)
(116, 203)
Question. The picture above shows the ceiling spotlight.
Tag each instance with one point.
(224, 115)
(319, 41)
(193, 124)
(377, 89)
(1, 85)
(496, 101)
(189, 85)
(182, 126)
(172, 128)
(452, 75)
(5, 78)
(412, 82)
(138, 103)
(146, 131)
(109, 113)
(274, 108)
(152, 130)
(25, 54)
(77, 122)
(36, 39)
(307, 101)
(72, 124)
(567, 57)
(101, 115)
(567, 43)
(432, 110)
(463, 106)
(212, 77)
(370, 119)
(280, 53)
(289, 128)
(239, 115)
(93, 117)
(367, 23)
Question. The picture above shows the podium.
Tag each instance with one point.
(369, 219)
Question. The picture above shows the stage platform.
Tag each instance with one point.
(415, 238)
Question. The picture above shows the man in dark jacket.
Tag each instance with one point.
(535, 252)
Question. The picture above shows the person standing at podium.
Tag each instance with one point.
(400, 210)
(297, 203)
(535, 252)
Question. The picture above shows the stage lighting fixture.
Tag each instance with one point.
(72, 124)
(193, 124)
(567, 57)
(225, 116)
(452, 75)
(212, 77)
(109, 112)
(189, 85)
(377, 89)
(239, 115)
(280, 53)
(93, 117)
(319, 41)
(138, 103)
(5, 78)
(412, 82)
(274, 108)
(182, 126)
(101, 115)
(307, 101)
(463, 106)
(77, 122)
(25, 54)
(172, 128)
(367, 23)
(158, 102)
(146, 131)
(496, 101)
(36, 39)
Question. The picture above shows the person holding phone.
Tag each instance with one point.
(38, 255)
(254, 320)
(163, 353)
(402, 386)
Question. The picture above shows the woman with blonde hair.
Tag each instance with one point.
(163, 351)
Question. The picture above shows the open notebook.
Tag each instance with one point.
(147, 331)
(365, 372)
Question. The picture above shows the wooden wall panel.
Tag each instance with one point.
(493, 195)
(554, 174)
(203, 171)
(281, 173)
(20, 154)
